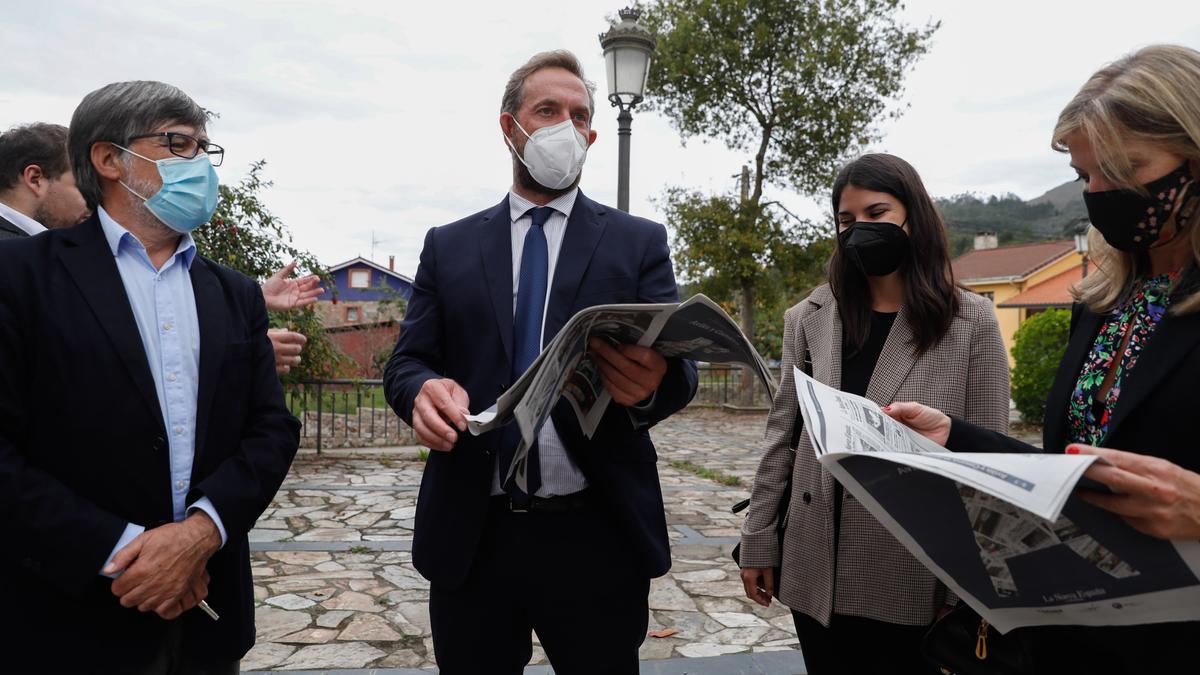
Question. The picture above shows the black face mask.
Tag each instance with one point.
(877, 249)
(1131, 222)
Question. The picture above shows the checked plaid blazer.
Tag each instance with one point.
(965, 376)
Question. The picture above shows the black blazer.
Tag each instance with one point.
(459, 325)
(10, 231)
(83, 451)
(1155, 413)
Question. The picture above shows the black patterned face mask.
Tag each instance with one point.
(1131, 222)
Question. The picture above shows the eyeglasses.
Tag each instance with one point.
(187, 147)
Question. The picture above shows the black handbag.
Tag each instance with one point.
(785, 499)
(964, 643)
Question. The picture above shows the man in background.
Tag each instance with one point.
(37, 188)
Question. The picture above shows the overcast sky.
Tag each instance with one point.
(379, 119)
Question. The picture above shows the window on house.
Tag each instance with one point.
(360, 278)
(352, 314)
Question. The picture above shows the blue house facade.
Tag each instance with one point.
(360, 280)
(361, 285)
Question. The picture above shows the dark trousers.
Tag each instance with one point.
(568, 576)
(1113, 650)
(853, 644)
(171, 658)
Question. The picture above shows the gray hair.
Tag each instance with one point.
(118, 111)
(514, 91)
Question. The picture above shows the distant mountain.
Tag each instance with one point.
(1053, 215)
(1065, 197)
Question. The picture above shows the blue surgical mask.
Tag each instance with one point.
(188, 196)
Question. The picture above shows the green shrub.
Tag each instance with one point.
(1037, 350)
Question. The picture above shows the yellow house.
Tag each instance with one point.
(1020, 280)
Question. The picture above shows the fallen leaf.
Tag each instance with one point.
(664, 633)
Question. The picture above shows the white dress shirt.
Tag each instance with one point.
(29, 225)
(559, 474)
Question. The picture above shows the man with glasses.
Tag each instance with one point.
(142, 427)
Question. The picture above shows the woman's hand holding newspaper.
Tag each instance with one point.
(929, 422)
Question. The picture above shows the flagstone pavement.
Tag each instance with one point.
(335, 587)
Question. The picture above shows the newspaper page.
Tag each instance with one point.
(697, 329)
(1004, 531)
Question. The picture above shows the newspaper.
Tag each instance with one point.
(1003, 530)
(697, 329)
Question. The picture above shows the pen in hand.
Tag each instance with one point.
(208, 610)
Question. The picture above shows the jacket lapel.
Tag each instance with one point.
(1173, 339)
(822, 328)
(495, 249)
(90, 263)
(1054, 433)
(583, 231)
(896, 360)
(213, 340)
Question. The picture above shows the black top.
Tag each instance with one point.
(858, 367)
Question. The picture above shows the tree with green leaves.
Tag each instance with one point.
(244, 235)
(798, 86)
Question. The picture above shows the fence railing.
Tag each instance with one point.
(721, 384)
(355, 413)
(346, 414)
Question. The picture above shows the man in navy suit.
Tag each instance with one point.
(571, 559)
(143, 429)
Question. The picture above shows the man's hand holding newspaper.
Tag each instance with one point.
(590, 362)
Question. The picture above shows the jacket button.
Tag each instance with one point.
(160, 444)
(807, 498)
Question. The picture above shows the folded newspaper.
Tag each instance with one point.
(1003, 530)
(696, 329)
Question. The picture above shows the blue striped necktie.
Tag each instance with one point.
(527, 341)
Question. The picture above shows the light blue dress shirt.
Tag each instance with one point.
(164, 308)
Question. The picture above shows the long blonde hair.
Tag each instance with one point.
(1152, 95)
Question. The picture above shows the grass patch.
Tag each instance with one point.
(359, 548)
(709, 474)
(423, 455)
(343, 400)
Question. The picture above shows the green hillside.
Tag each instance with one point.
(1053, 215)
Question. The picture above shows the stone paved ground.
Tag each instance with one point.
(335, 585)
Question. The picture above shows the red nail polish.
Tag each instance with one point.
(887, 408)
(1072, 450)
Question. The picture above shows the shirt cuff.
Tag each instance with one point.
(639, 412)
(131, 532)
(648, 404)
(205, 504)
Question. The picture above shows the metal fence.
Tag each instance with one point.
(355, 414)
(346, 414)
(721, 384)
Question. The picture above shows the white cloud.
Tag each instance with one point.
(378, 119)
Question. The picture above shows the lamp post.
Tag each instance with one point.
(1081, 242)
(628, 47)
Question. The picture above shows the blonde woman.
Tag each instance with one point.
(1128, 378)
(890, 324)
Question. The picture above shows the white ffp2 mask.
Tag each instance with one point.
(554, 155)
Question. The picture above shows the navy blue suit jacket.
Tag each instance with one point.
(83, 451)
(459, 325)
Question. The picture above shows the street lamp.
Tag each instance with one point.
(1081, 242)
(628, 47)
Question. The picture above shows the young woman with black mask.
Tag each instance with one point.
(1128, 378)
(889, 325)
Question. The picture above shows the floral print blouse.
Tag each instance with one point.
(1137, 316)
